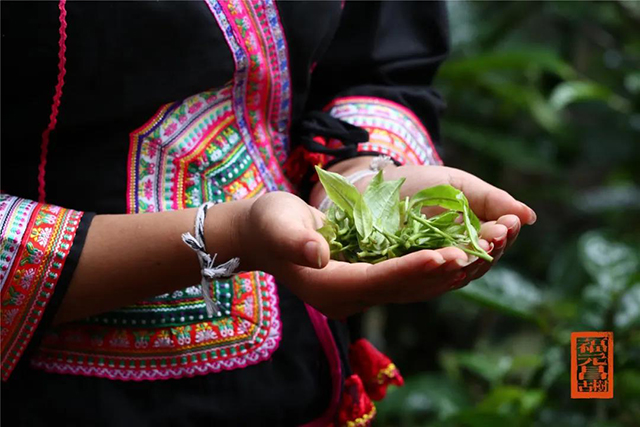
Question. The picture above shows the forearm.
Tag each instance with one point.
(127, 258)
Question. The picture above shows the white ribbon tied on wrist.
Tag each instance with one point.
(209, 271)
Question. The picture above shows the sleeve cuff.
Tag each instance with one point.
(393, 129)
(35, 262)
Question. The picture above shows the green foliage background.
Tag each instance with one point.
(543, 101)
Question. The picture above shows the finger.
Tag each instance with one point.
(413, 266)
(426, 289)
(487, 201)
(292, 236)
(302, 246)
(493, 232)
(454, 258)
(512, 223)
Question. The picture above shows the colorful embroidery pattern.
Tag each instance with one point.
(393, 129)
(189, 153)
(36, 239)
(261, 85)
(220, 145)
(165, 342)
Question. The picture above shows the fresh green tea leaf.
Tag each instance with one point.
(328, 231)
(382, 197)
(473, 236)
(445, 219)
(339, 190)
(445, 196)
(377, 225)
(363, 219)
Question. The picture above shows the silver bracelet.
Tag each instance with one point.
(209, 271)
(376, 165)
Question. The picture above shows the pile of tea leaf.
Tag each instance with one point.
(377, 225)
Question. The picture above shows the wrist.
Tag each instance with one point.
(225, 230)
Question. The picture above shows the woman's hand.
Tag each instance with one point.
(422, 275)
(280, 229)
(279, 237)
(501, 214)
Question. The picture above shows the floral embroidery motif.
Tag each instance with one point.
(169, 344)
(393, 129)
(189, 153)
(36, 239)
(220, 145)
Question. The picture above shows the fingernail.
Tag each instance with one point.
(532, 215)
(433, 263)
(438, 261)
(312, 253)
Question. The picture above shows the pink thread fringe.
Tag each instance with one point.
(53, 118)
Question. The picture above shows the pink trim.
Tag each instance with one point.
(55, 362)
(53, 118)
(39, 238)
(321, 326)
(393, 105)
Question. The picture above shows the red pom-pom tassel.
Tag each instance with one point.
(374, 368)
(356, 408)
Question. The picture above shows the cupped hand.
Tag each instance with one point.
(279, 237)
(501, 214)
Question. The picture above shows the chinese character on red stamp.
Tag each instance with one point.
(592, 365)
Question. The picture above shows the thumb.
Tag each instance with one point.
(302, 246)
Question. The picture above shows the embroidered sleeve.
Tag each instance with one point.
(393, 129)
(35, 263)
(376, 75)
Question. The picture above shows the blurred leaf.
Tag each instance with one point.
(512, 150)
(595, 305)
(524, 58)
(477, 418)
(628, 314)
(632, 83)
(555, 361)
(510, 400)
(564, 417)
(527, 97)
(609, 262)
(425, 393)
(506, 291)
(627, 382)
(524, 366)
(608, 198)
(492, 367)
(565, 273)
(570, 92)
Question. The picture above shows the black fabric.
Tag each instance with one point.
(389, 50)
(124, 61)
(291, 388)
